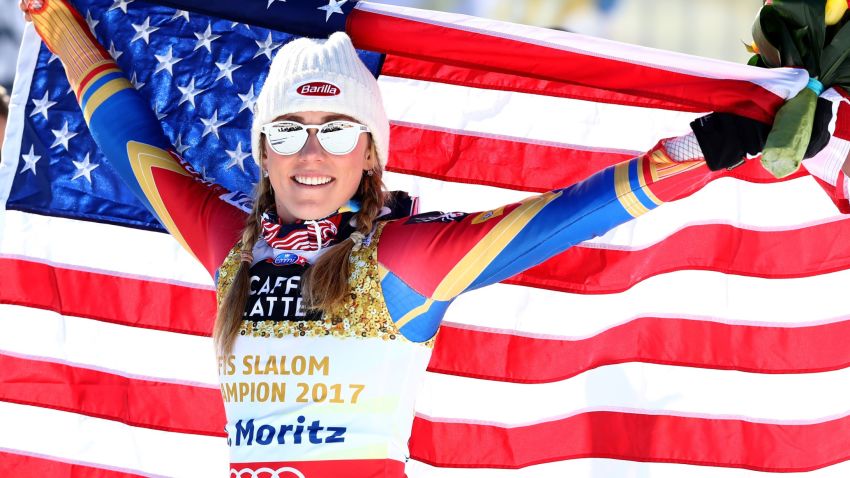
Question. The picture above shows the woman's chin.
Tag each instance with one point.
(314, 213)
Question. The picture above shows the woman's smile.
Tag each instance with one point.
(312, 181)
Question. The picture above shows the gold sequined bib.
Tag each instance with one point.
(363, 314)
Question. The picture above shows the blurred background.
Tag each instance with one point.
(710, 28)
(11, 28)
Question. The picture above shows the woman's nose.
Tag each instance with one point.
(312, 149)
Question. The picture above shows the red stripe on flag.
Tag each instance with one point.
(682, 342)
(108, 298)
(636, 437)
(713, 247)
(468, 49)
(14, 465)
(142, 403)
(842, 120)
(422, 70)
(512, 162)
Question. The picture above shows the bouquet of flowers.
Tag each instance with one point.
(810, 34)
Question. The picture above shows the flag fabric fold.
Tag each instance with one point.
(707, 338)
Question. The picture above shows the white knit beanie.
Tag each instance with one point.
(322, 75)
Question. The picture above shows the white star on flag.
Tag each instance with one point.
(248, 99)
(42, 105)
(29, 160)
(53, 57)
(237, 157)
(84, 168)
(180, 14)
(333, 6)
(267, 47)
(204, 176)
(205, 39)
(143, 31)
(113, 52)
(166, 62)
(211, 124)
(136, 83)
(122, 4)
(91, 21)
(189, 92)
(227, 68)
(179, 146)
(272, 1)
(62, 136)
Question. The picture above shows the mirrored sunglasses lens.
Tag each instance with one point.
(339, 138)
(287, 138)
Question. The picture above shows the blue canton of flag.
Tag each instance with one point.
(201, 75)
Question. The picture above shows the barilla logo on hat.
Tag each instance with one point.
(318, 88)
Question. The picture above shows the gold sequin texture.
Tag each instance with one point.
(363, 315)
(228, 271)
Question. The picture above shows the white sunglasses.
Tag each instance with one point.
(336, 137)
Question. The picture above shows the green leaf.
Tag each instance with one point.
(835, 55)
(841, 77)
(776, 31)
(805, 50)
(788, 139)
(806, 18)
(755, 60)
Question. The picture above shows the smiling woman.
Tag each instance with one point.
(315, 167)
(332, 290)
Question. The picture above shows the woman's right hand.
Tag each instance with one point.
(23, 7)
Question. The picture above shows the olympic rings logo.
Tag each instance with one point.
(284, 472)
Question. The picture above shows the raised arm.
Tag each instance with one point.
(429, 260)
(203, 217)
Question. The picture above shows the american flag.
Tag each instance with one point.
(707, 338)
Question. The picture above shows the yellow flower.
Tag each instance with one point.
(835, 10)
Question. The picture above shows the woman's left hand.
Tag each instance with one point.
(726, 139)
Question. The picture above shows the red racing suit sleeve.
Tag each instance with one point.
(203, 217)
(428, 260)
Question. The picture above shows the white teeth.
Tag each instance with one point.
(313, 180)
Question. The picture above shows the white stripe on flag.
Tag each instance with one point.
(642, 388)
(533, 118)
(93, 246)
(75, 438)
(11, 151)
(700, 295)
(127, 351)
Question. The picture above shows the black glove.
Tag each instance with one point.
(726, 138)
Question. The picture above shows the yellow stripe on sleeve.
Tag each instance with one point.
(101, 95)
(483, 253)
(623, 190)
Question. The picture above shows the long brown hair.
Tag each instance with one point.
(325, 282)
